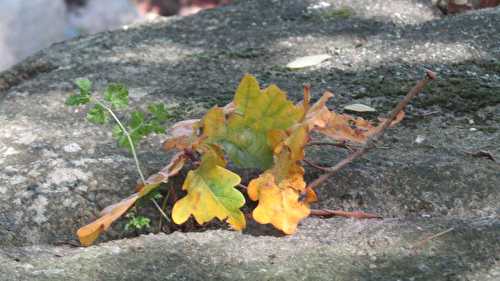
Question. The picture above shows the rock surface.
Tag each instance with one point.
(336, 249)
(57, 171)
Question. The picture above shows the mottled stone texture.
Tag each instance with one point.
(57, 171)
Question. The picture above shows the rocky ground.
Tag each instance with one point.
(57, 171)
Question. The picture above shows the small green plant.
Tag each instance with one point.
(138, 125)
(137, 222)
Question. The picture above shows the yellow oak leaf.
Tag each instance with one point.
(278, 203)
(214, 123)
(184, 135)
(288, 154)
(278, 190)
(211, 194)
(305, 103)
(296, 141)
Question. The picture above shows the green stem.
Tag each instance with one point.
(134, 154)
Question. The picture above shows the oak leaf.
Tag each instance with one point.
(278, 203)
(89, 233)
(278, 190)
(341, 127)
(182, 135)
(244, 133)
(344, 127)
(211, 193)
(172, 169)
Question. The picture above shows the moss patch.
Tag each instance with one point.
(342, 13)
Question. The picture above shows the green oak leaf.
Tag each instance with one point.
(244, 134)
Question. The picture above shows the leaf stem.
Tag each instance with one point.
(370, 143)
(160, 209)
(132, 148)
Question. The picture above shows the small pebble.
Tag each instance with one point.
(72, 148)
(420, 139)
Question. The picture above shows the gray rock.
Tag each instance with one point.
(334, 249)
(57, 171)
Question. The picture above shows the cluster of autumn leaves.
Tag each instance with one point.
(260, 129)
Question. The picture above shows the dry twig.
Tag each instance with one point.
(325, 213)
(341, 144)
(314, 165)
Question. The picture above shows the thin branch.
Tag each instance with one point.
(325, 213)
(132, 148)
(341, 144)
(314, 165)
(370, 143)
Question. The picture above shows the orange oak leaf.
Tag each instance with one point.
(341, 127)
(311, 196)
(89, 233)
(344, 127)
(318, 114)
(183, 134)
(172, 169)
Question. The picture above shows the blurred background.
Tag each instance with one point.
(27, 26)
